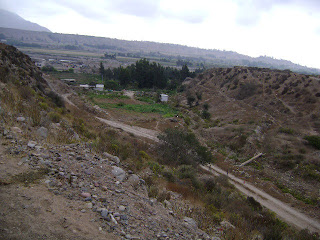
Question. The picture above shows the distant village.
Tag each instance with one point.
(79, 66)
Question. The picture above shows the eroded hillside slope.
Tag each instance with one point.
(256, 110)
(54, 185)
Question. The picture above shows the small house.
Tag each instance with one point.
(99, 87)
(164, 97)
(85, 86)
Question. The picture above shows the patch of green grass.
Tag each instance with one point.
(81, 78)
(313, 141)
(114, 95)
(163, 109)
(146, 99)
(286, 131)
(296, 194)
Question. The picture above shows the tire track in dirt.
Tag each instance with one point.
(138, 131)
(284, 212)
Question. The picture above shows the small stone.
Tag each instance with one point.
(105, 215)
(96, 184)
(122, 208)
(83, 211)
(119, 173)
(32, 144)
(104, 188)
(89, 205)
(21, 119)
(42, 132)
(115, 159)
(85, 195)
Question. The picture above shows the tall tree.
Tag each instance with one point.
(101, 69)
(184, 73)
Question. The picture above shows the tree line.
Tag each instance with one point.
(145, 74)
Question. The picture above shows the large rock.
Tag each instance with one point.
(42, 132)
(16, 130)
(32, 144)
(190, 222)
(111, 157)
(134, 180)
(119, 173)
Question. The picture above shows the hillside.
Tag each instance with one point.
(56, 185)
(83, 164)
(256, 110)
(12, 20)
(162, 52)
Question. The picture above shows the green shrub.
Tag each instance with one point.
(205, 114)
(144, 155)
(35, 115)
(155, 167)
(48, 68)
(54, 117)
(57, 99)
(186, 171)
(313, 141)
(286, 131)
(43, 105)
(153, 191)
(187, 120)
(169, 176)
(181, 147)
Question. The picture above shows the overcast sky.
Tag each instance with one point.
(284, 29)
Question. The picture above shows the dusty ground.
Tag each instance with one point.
(30, 211)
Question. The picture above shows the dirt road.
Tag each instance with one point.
(284, 212)
(138, 131)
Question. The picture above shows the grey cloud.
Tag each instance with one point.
(250, 10)
(139, 8)
(101, 9)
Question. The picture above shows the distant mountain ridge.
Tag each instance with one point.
(12, 20)
(145, 49)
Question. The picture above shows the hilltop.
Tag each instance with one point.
(12, 20)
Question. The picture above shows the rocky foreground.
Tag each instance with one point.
(69, 192)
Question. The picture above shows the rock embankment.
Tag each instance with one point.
(116, 199)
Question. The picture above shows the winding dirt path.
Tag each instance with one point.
(284, 212)
(138, 131)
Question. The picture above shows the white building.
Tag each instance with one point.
(99, 87)
(85, 86)
(164, 97)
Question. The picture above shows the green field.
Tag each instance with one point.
(163, 109)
